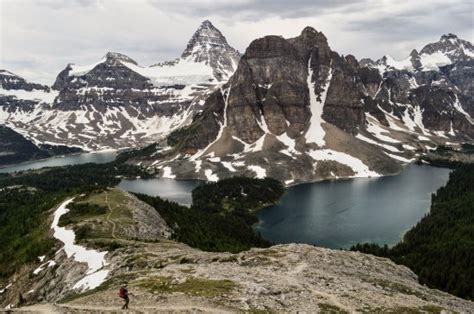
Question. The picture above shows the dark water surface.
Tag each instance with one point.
(338, 214)
(76, 159)
(173, 190)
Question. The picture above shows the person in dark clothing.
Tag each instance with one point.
(123, 293)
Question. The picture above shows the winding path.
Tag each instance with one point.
(108, 216)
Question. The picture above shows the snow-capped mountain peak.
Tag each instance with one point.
(206, 37)
(448, 50)
(112, 57)
(451, 47)
(209, 46)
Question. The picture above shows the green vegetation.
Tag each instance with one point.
(194, 286)
(222, 214)
(218, 222)
(329, 308)
(26, 199)
(440, 248)
(79, 211)
(449, 157)
(237, 194)
(147, 151)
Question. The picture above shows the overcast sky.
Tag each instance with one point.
(39, 37)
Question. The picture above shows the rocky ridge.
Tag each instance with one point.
(167, 275)
(297, 111)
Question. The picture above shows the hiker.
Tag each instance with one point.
(123, 293)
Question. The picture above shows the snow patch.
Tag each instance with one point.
(408, 147)
(198, 164)
(43, 266)
(370, 141)
(432, 62)
(7, 287)
(399, 158)
(376, 130)
(167, 173)
(36, 94)
(316, 133)
(229, 166)
(460, 109)
(95, 260)
(259, 171)
(211, 176)
(360, 169)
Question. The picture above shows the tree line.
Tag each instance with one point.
(440, 248)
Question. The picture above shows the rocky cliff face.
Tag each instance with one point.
(298, 111)
(115, 103)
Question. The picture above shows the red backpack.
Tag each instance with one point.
(122, 292)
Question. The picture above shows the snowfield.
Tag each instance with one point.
(95, 260)
(36, 94)
(316, 133)
(360, 169)
(259, 171)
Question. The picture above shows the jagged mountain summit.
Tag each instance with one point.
(448, 50)
(297, 111)
(116, 103)
(210, 47)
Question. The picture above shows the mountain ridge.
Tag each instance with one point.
(291, 105)
(294, 105)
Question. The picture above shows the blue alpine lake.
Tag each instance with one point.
(339, 214)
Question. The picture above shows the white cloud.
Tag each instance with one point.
(38, 38)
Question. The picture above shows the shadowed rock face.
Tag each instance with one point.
(271, 81)
(113, 84)
(11, 81)
(208, 45)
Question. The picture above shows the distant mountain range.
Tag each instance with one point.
(292, 109)
(115, 103)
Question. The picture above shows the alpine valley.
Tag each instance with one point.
(290, 109)
(246, 126)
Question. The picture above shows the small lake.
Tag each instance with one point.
(339, 214)
(76, 159)
(172, 190)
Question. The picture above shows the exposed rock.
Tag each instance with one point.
(209, 46)
(11, 81)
